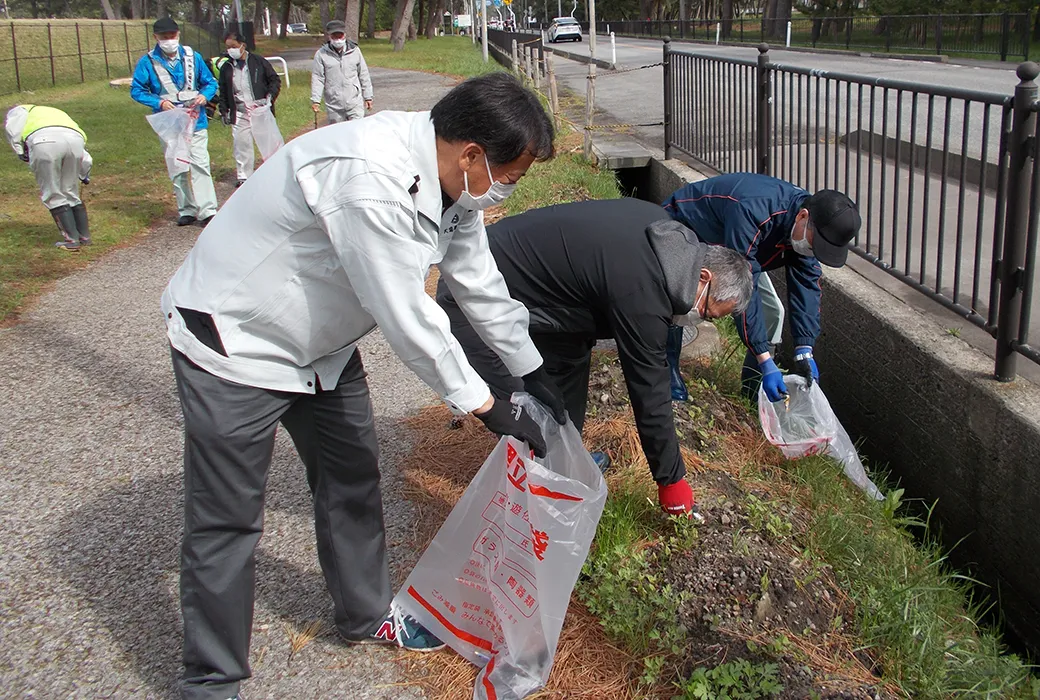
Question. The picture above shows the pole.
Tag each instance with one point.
(718, 32)
(472, 21)
(483, 31)
(592, 28)
(613, 51)
(527, 62)
(1016, 227)
(554, 98)
(788, 44)
(763, 109)
(666, 63)
(537, 68)
(14, 53)
(516, 60)
(559, 8)
(590, 110)
(79, 50)
(50, 51)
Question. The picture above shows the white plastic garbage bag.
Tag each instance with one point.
(495, 582)
(265, 130)
(175, 128)
(807, 425)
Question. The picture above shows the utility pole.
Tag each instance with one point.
(592, 28)
(483, 33)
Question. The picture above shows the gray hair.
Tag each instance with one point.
(731, 277)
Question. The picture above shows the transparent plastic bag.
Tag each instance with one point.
(495, 582)
(807, 425)
(265, 130)
(175, 128)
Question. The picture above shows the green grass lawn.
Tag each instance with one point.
(129, 187)
(83, 50)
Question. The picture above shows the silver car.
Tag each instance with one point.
(564, 28)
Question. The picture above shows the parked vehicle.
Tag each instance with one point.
(564, 28)
(297, 28)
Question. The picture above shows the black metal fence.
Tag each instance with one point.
(947, 179)
(36, 55)
(503, 40)
(1000, 36)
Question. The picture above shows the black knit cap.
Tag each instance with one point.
(837, 221)
(165, 24)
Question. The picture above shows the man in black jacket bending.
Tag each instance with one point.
(618, 269)
(246, 81)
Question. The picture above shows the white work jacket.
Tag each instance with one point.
(333, 236)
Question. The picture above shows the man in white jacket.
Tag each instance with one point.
(330, 239)
(340, 76)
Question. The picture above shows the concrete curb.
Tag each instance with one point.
(580, 58)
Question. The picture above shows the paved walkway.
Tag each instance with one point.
(90, 492)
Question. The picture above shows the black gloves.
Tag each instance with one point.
(505, 418)
(226, 118)
(541, 386)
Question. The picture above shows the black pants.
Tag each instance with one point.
(567, 359)
(229, 432)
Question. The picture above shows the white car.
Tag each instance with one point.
(564, 28)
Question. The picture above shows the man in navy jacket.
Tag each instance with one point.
(774, 224)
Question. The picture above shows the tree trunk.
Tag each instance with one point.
(258, 18)
(727, 18)
(109, 12)
(436, 8)
(286, 6)
(413, 29)
(370, 29)
(422, 8)
(135, 9)
(323, 12)
(399, 32)
(353, 18)
(209, 11)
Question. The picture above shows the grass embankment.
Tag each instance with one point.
(796, 586)
(129, 188)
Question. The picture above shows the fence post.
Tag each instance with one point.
(554, 99)
(527, 62)
(788, 34)
(50, 52)
(104, 50)
(14, 52)
(537, 68)
(888, 33)
(126, 37)
(516, 59)
(666, 64)
(1005, 36)
(848, 33)
(79, 50)
(762, 121)
(1010, 268)
(613, 51)
(590, 109)
(938, 34)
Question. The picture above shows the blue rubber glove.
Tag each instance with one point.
(805, 365)
(673, 350)
(772, 380)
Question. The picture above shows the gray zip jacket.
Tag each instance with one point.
(342, 79)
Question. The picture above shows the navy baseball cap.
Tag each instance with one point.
(335, 26)
(164, 24)
(837, 221)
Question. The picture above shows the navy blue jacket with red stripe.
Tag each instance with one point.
(754, 215)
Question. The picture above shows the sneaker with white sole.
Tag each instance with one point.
(404, 631)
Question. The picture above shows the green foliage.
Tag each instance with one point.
(736, 680)
(763, 517)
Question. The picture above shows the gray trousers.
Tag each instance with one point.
(194, 188)
(335, 116)
(58, 160)
(229, 432)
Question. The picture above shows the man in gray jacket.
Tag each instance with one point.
(340, 75)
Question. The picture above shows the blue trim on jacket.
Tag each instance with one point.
(146, 87)
(754, 214)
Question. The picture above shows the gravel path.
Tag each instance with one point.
(90, 493)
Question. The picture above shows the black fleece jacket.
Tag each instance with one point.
(265, 82)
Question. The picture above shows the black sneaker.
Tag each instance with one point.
(185, 220)
(404, 631)
(204, 222)
(84, 241)
(239, 184)
(70, 246)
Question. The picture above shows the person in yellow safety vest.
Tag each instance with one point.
(54, 146)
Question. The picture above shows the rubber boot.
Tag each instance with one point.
(66, 222)
(672, 351)
(80, 213)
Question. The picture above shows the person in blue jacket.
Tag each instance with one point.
(169, 76)
(774, 224)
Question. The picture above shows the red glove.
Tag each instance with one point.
(676, 499)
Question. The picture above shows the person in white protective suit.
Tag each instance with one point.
(247, 81)
(330, 239)
(54, 146)
(170, 76)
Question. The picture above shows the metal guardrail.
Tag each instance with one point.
(948, 179)
(1000, 36)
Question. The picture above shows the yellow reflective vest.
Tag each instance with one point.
(40, 117)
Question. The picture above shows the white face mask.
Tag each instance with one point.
(802, 245)
(339, 44)
(496, 194)
(169, 46)
(694, 315)
(235, 53)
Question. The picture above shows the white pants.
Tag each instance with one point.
(194, 189)
(58, 159)
(242, 140)
(772, 309)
